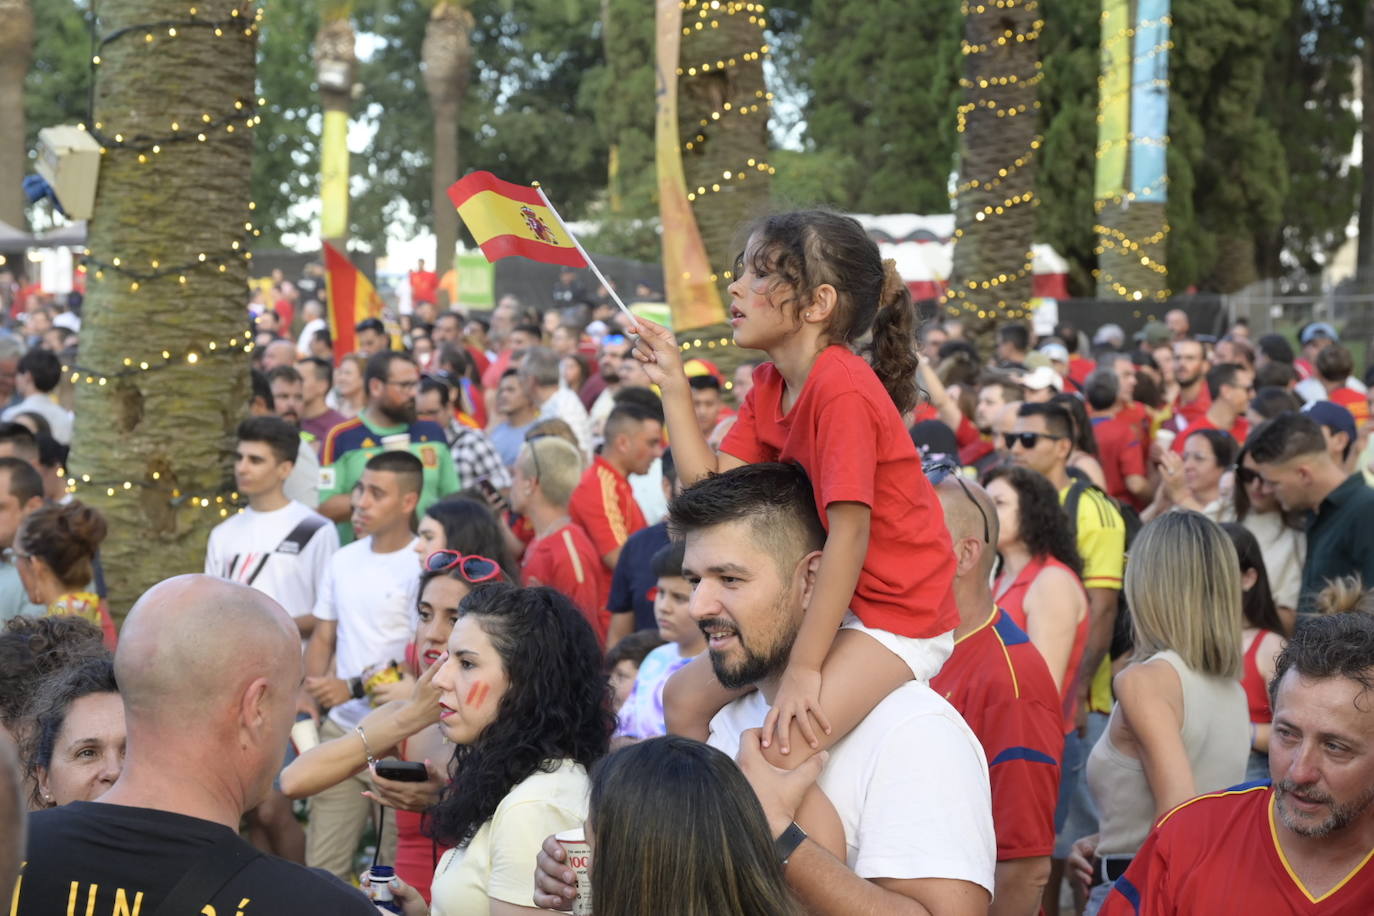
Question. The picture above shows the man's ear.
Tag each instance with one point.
(254, 711)
(968, 553)
(804, 579)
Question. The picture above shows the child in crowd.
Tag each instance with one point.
(642, 715)
(623, 662)
(808, 289)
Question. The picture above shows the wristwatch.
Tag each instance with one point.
(355, 688)
(787, 844)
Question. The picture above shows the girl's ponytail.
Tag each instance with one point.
(893, 346)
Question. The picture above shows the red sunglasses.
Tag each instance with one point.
(475, 569)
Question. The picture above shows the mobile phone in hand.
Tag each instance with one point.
(493, 495)
(402, 770)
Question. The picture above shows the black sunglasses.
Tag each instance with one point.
(936, 471)
(1246, 476)
(1027, 440)
(475, 569)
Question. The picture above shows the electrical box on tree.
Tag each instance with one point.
(69, 161)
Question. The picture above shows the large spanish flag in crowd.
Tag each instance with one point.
(352, 297)
(508, 219)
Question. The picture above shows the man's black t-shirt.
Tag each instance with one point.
(103, 860)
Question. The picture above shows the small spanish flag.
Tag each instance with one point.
(352, 298)
(509, 219)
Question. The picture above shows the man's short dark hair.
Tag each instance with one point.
(25, 483)
(262, 389)
(1018, 335)
(43, 367)
(285, 374)
(707, 382)
(379, 365)
(641, 397)
(281, 437)
(20, 438)
(370, 324)
(1328, 646)
(1012, 390)
(454, 315)
(51, 453)
(1222, 374)
(430, 383)
(1274, 374)
(1269, 401)
(1276, 347)
(1334, 363)
(407, 468)
(481, 321)
(1057, 419)
(668, 561)
(324, 372)
(625, 414)
(1100, 389)
(776, 499)
(1284, 437)
(531, 329)
(1069, 335)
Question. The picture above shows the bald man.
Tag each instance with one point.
(209, 671)
(1001, 686)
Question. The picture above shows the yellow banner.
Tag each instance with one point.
(334, 175)
(1114, 99)
(691, 293)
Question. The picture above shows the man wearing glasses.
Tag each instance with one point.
(387, 423)
(999, 683)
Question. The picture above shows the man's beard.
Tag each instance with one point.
(1341, 816)
(1184, 382)
(610, 376)
(403, 415)
(755, 666)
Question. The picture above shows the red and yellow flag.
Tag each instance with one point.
(510, 219)
(352, 297)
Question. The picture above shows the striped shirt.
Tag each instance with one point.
(604, 504)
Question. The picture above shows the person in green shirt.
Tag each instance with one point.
(387, 422)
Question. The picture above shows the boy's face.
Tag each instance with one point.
(670, 610)
(622, 682)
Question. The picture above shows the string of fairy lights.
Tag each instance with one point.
(958, 298)
(242, 24)
(1110, 238)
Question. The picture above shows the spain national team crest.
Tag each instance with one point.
(538, 227)
(429, 456)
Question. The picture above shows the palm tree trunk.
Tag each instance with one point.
(336, 64)
(998, 153)
(723, 122)
(447, 58)
(16, 51)
(153, 448)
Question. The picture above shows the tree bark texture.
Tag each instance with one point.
(1364, 252)
(334, 49)
(998, 152)
(16, 52)
(723, 122)
(167, 432)
(1132, 246)
(447, 58)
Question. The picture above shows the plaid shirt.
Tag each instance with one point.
(475, 458)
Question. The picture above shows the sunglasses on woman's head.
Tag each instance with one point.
(475, 569)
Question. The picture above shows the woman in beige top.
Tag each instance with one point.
(1181, 725)
(523, 700)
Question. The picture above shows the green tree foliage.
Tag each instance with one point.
(286, 153)
(57, 90)
(882, 79)
(1068, 99)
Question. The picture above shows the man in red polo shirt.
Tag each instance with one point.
(1304, 844)
(1230, 387)
(604, 503)
(1118, 442)
(1190, 372)
(1000, 684)
(1128, 410)
(561, 555)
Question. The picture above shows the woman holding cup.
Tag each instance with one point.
(523, 698)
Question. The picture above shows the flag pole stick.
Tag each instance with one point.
(605, 284)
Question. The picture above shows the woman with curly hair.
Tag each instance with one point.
(523, 699)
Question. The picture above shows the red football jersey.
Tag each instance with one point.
(846, 433)
(566, 560)
(1220, 853)
(998, 682)
(604, 504)
(1120, 454)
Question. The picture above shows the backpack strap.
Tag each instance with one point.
(217, 866)
(293, 543)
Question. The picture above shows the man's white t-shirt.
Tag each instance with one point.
(566, 406)
(251, 549)
(372, 596)
(304, 483)
(910, 784)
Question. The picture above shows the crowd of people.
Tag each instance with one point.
(880, 622)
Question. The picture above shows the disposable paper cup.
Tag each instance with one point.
(305, 734)
(1165, 438)
(574, 843)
